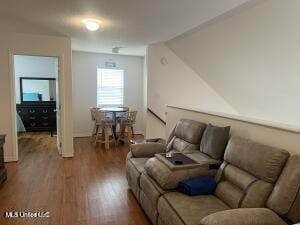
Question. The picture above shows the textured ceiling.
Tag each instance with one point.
(132, 24)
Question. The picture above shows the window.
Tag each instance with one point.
(110, 87)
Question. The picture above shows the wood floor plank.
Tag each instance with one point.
(89, 189)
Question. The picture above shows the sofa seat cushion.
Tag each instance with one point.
(134, 169)
(149, 194)
(139, 163)
(150, 188)
(253, 216)
(181, 209)
(199, 186)
(148, 207)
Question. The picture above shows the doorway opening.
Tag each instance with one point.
(37, 98)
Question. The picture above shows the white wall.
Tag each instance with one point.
(85, 87)
(269, 133)
(251, 59)
(154, 127)
(33, 66)
(172, 82)
(17, 43)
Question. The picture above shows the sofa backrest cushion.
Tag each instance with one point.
(247, 176)
(190, 130)
(262, 161)
(186, 136)
(285, 198)
(231, 186)
(183, 146)
(214, 141)
(239, 189)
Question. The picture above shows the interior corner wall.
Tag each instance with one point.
(145, 81)
(251, 58)
(171, 81)
(154, 127)
(17, 43)
(85, 67)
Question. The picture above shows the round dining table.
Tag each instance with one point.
(114, 110)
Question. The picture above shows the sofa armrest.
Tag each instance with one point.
(156, 140)
(149, 149)
(243, 216)
(168, 178)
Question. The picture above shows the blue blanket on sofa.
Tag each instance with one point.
(200, 186)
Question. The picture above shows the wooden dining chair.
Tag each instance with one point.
(126, 122)
(104, 128)
(121, 114)
(93, 110)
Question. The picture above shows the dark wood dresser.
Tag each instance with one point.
(38, 117)
(2, 168)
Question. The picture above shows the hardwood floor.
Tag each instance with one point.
(88, 189)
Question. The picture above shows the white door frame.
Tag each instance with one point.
(13, 98)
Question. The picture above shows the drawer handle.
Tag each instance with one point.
(32, 111)
(45, 117)
(32, 124)
(45, 110)
(45, 124)
(19, 111)
(32, 117)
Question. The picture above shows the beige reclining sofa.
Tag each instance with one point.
(281, 208)
(252, 189)
(185, 137)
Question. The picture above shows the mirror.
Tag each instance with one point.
(37, 89)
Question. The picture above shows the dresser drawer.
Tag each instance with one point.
(30, 124)
(38, 117)
(32, 117)
(23, 113)
(39, 124)
(32, 111)
(46, 111)
(45, 117)
(45, 124)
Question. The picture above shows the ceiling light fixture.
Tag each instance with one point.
(91, 24)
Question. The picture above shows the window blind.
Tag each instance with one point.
(110, 87)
